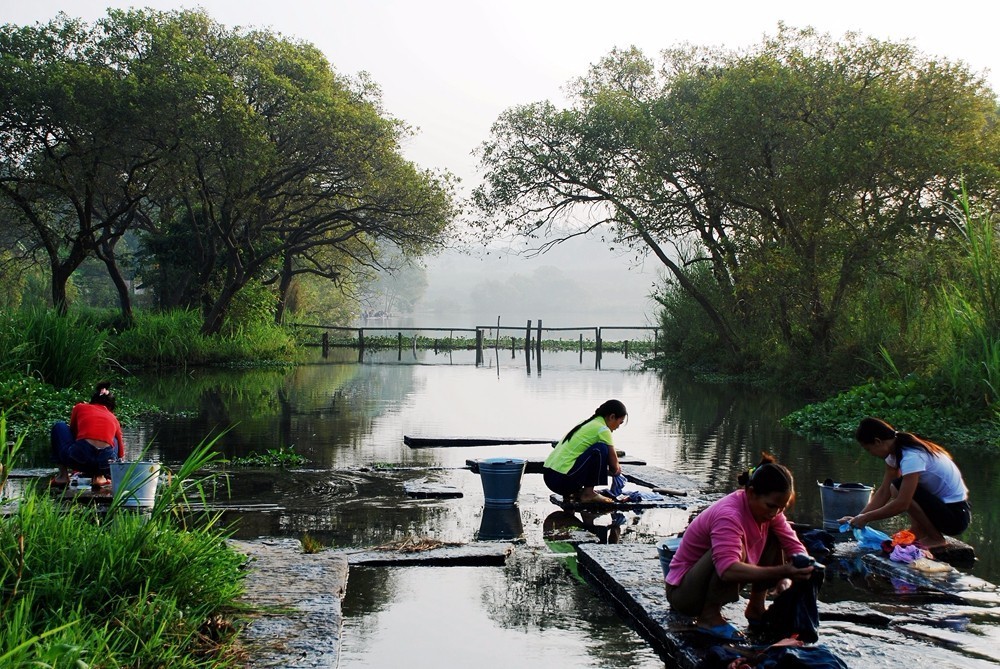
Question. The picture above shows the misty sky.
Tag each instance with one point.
(450, 67)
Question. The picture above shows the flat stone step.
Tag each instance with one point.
(659, 479)
(423, 489)
(956, 553)
(475, 554)
(949, 581)
(299, 595)
(666, 503)
(631, 578)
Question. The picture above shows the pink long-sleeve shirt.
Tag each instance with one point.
(729, 530)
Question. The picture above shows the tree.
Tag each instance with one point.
(799, 172)
(284, 167)
(244, 146)
(75, 120)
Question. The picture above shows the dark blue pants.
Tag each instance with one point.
(79, 454)
(589, 470)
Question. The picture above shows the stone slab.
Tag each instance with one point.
(299, 596)
(865, 635)
(476, 554)
(951, 582)
(660, 478)
(956, 553)
(464, 442)
(666, 503)
(629, 575)
(534, 465)
(423, 489)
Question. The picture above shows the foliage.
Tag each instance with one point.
(174, 339)
(911, 404)
(117, 590)
(65, 352)
(806, 175)
(956, 398)
(241, 156)
(283, 456)
(76, 148)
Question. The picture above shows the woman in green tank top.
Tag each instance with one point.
(586, 456)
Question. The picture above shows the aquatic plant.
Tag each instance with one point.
(283, 456)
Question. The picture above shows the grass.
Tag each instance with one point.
(283, 456)
(62, 351)
(310, 544)
(79, 588)
(174, 339)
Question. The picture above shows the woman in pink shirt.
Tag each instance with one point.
(742, 538)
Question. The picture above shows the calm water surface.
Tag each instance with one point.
(349, 419)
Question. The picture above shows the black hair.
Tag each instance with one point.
(103, 396)
(768, 477)
(609, 408)
(870, 429)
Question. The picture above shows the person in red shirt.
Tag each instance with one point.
(91, 440)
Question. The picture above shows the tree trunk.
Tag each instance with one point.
(284, 284)
(107, 254)
(215, 316)
(60, 277)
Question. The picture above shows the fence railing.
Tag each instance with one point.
(479, 333)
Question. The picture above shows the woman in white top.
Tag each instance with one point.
(920, 478)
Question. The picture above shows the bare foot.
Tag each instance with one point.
(781, 586)
(100, 482)
(592, 497)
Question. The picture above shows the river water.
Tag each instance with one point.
(348, 419)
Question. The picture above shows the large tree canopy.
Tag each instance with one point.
(242, 155)
(796, 173)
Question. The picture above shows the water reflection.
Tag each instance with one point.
(529, 613)
(500, 524)
(348, 420)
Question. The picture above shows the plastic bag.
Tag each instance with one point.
(867, 537)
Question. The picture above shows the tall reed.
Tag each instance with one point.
(63, 351)
(79, 588)
(970, 367)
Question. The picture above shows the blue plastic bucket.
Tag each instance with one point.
(501, 480)
(666, 549)
(842, 499)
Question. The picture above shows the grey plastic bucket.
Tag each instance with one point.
(842, 499)
(137, 482)
(666, 549)
(501, 480)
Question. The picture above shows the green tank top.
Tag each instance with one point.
(565, 453)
